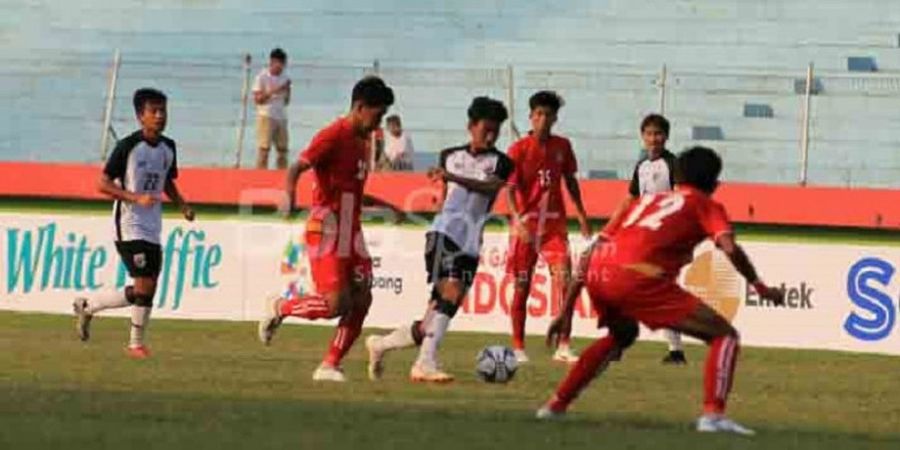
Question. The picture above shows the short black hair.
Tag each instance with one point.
(656, 120)
(143, 96)
(699, 167)
(549, 99)
(486, 108)
(393, 118)
(279, 54)
(372, 91)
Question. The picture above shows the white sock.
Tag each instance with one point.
(434, 333)
(674, 339)
(140, 318)
(106, 300)
(400, 338)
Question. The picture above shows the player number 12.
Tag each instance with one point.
(670, 204)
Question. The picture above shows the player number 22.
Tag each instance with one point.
(670, 204)
(151, 182)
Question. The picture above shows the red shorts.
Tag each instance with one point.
(334, 264)
(522, 256)
(656, 302)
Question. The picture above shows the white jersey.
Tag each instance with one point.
(652, 176)
(141, 168)
(465, 212)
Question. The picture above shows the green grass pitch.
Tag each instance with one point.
(211, 385)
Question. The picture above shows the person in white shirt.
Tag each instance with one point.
(272, 94)
(398, 146)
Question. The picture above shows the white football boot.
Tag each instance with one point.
(329, 373)
(721, 424)
(271, 320)
(376, 357)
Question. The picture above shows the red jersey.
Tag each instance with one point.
(663, 229)
(340, 162)
(538, 172)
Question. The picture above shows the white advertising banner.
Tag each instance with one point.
(840, 297)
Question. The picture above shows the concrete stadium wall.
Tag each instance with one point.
(721, 54)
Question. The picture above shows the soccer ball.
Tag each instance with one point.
(496, 364)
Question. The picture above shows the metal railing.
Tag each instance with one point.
(840, 126)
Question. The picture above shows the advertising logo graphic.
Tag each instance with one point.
(712, 278)
(866, 282)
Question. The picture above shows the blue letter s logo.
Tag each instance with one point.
(874, 301)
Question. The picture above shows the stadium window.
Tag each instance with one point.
(861, 64)
(758, 110)
(707, 133)
(800, 86)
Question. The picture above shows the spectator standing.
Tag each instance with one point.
(398, 146)
(272, 95)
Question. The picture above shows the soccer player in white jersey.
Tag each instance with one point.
(142, 167)
(654, 173)
(473, 173)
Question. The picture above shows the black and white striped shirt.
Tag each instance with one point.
(141, 168)
(465, 212)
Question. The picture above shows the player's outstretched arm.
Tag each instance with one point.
(290, 189)
(372, 201)
(575, 194)
(744, 266)
(175, 195)
(617, 215)
(106, 186)
(488, 186)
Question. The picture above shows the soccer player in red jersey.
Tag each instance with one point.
(542, 163)
(631, 278)
(339, 261)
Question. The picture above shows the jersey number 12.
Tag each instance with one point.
(669, 204)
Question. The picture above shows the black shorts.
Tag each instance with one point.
(444, 259)
(141, 258)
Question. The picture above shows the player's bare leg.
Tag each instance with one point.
(560, 277)
(724, 345)
(593, 361)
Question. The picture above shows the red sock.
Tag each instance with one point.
(593, 362)
(349, 328)
(310, 307)
(719, 373)
(517, 313)
(558, 292)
